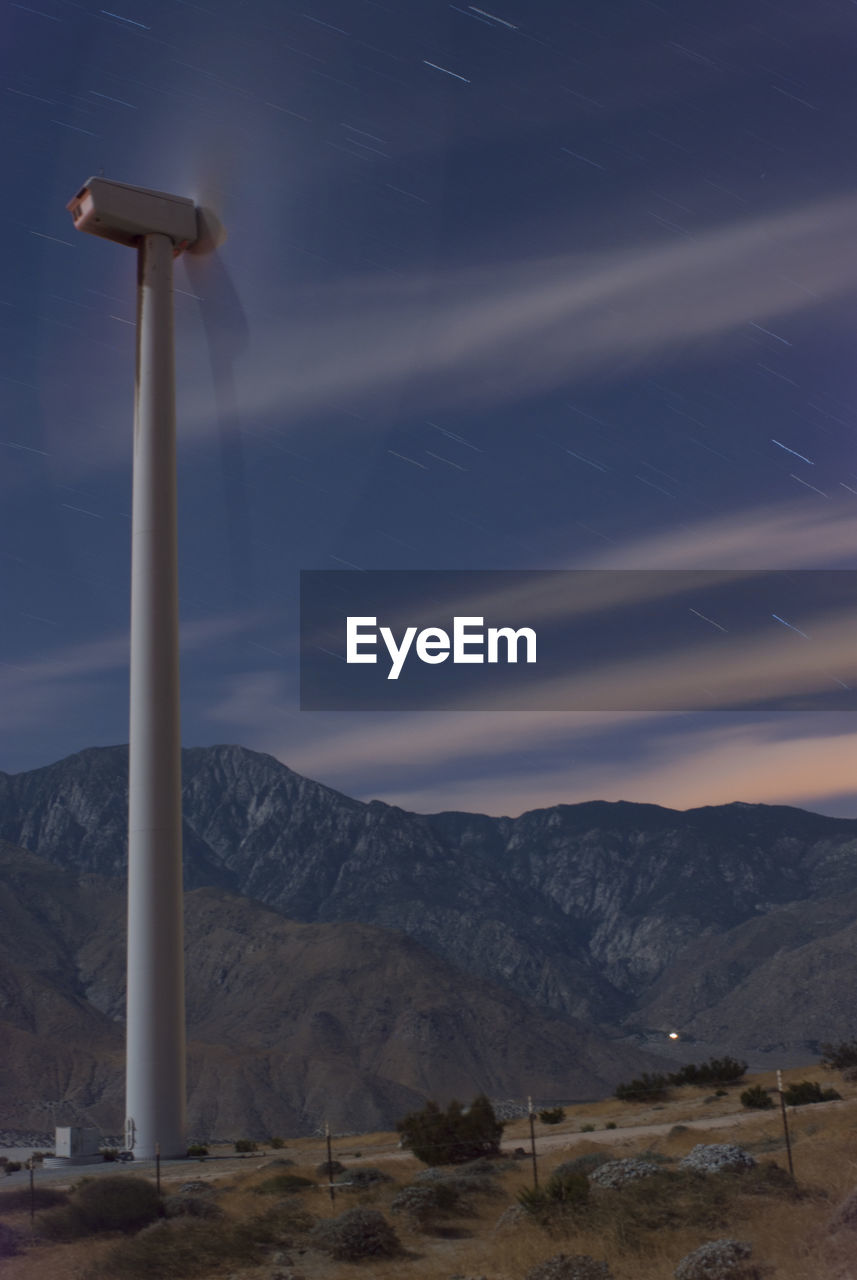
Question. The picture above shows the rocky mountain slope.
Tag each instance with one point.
(603, 912)
(288, 1023)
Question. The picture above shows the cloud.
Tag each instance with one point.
(329, 745)
(480, 336)
(34, 691)
(485, 335)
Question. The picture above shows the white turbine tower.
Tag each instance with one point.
(159, 227)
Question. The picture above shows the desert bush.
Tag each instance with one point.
(329, 1168)
(806, 1092)
(611, 1124)
(283, 1184)
(718, 1260)
(180, 1250)
(562, 1194)
(716, 1071)
(117, 1202)
(357, 1233)
(649, 1087)
(716, 1157)
(576, 1266)
(276, 1144)
(618, 1173)
(631, 1213)
(424, 1202)
(483, 1167)
(245, 1145)
(841, 1057)
(757, 1097)
(453, 1136)
(552, 1115)
(198, 1149)
(109, 1154)
(12, 1166)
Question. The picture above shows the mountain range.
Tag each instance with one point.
(346, 960)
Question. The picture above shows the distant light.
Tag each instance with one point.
(673, 1035)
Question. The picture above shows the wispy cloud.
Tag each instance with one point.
(483, 335)
(31, 690)
(489, 335)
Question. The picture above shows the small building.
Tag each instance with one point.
(74, 1145)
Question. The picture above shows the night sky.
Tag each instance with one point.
(534, 285)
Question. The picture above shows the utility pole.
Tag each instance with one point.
(785, 1121)
(533, 1141)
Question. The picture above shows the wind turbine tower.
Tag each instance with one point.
(159, 227)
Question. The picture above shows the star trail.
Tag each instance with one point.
(548, 285)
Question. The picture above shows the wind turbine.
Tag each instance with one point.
(159, 226)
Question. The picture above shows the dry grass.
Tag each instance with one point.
(787, 1233)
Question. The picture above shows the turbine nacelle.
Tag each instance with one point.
(118, 211)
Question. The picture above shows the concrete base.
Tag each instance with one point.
(63, 1162)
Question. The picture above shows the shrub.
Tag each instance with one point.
(198, 1149)
(190, 1207)
(628, 1215)
(276, 1144)
(552, 1115)
(109, 1154)
(806, 1092)
(757, 1097)
(716, 1071)
(117, 1202)
(282, 1184)
(718, 1260)
(562, 1193)
(422, 1202)
(716, 1157)
(618, 1173)
(355, 1234)
(649, 1087)
(587, 1128)
(453, 1136)
(841, 1057)
(611, 1124)
(179, 1250)
(329, 1168)
(245, 1145)
(12, 1166)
